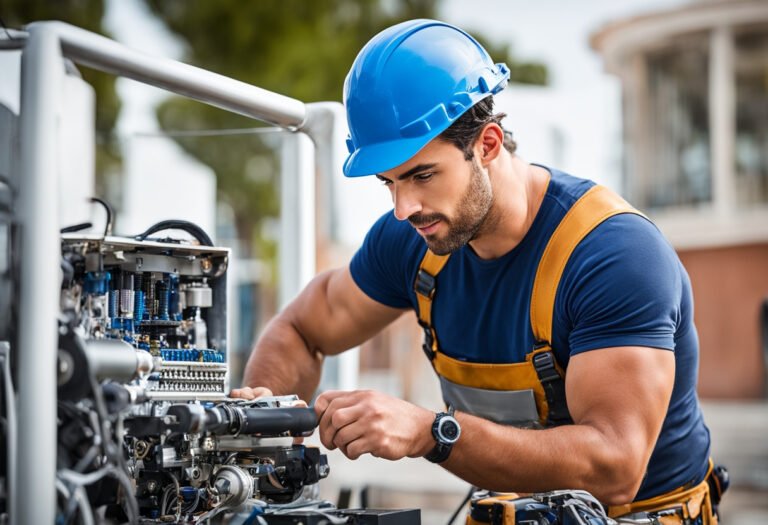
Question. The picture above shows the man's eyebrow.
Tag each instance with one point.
(411, 172)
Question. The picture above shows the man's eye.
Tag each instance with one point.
(423, 177)
(385, 182)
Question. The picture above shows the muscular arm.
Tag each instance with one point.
(618, 398)
(329, 316)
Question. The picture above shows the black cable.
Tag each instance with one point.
(461, 505)
(5, 28)
(76, 227)
(190, 227)
(110, 214)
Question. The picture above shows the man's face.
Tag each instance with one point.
(443, 196)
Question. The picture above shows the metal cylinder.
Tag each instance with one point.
(114, 301)
(117, 360)
(34, 493)
(138, 305)
(163, 298)
(126, 304)
(199, 295)
(234, 485)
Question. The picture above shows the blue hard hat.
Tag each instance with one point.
(407, 85)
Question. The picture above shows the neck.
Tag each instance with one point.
(518, 190)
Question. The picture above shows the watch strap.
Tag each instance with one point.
(441, 450)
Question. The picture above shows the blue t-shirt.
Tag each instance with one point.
(623, 286)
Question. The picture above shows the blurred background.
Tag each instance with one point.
(665, 101)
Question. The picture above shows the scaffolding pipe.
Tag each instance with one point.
(42, 75)
(98, 52)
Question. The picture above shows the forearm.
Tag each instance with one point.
(282, 361)
(584, 457)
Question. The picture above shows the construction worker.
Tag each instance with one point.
(558, 319)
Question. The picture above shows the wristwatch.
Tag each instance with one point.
(446, 431)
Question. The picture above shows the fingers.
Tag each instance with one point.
(336, 411)
(248, 392)
(324, 399)
(346, 437)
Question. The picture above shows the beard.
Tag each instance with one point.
(470, 218)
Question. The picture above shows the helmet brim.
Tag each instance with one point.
(384, 156)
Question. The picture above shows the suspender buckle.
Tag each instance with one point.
(554, 387)
(425, 284)
(544, 363)
(428, 340)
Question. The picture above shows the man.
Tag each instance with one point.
(556, 305)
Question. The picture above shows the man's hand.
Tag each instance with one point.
(249, 393)
(364, 421)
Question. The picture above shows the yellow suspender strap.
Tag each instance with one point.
(425, 286)
(591, 209)
(596, 205)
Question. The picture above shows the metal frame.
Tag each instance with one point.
(48, 45)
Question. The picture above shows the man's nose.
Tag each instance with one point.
(406, 203)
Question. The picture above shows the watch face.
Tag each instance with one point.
(449, 429)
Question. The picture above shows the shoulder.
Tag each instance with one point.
(564, 189)
(628, 240)
(385, 265)
(623, 286)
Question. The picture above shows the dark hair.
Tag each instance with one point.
(465, 129)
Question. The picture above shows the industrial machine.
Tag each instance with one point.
(145, 429)
(114, 350)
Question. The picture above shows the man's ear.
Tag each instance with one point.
(489, 143)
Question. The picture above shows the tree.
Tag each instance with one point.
(87, 14)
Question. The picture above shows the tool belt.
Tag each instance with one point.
(683, 506)
(560, 507)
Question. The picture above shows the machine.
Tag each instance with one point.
(114, 350)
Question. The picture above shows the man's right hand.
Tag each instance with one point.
(249, 393)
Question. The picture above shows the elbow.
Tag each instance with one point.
(615, 480)
(619, 494)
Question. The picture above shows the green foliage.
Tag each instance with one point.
(299, 48)
(87, 14)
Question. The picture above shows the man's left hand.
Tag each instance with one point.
(364, 421)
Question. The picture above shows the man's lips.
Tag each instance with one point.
(428, 229)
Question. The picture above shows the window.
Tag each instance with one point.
(679, 171)
(751, 144)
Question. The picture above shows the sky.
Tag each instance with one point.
(581, 105)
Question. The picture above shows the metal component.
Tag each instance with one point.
(41, 78)
(117, 360)
(297, 190)
(200, 331)
(114, 303)
(145, 363)
(217, 90)
(48, 46)
(234, 485)
(163, 298)
(326, 125)
(13, 38)
(141, 450)
(126, 304)
(66, 367)
(198, 295)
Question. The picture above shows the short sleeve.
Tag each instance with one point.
(384, 266)
(622, 287)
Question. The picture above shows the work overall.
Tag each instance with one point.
(531, 394)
